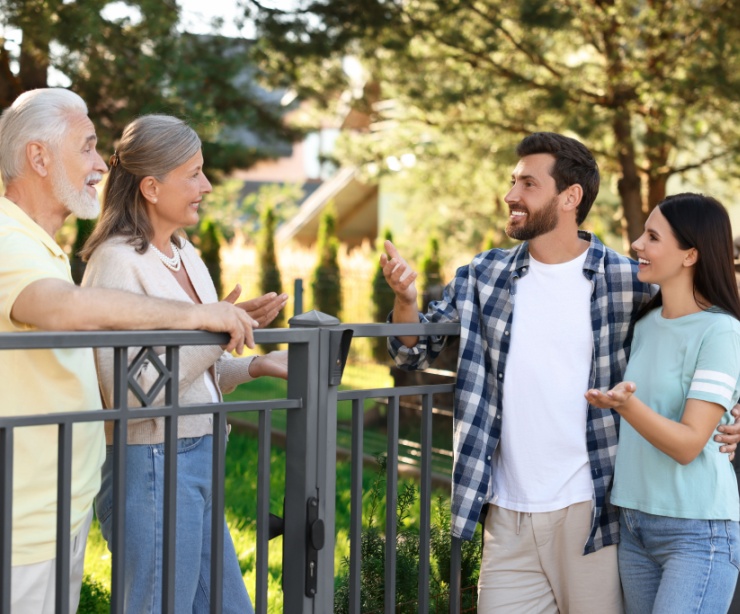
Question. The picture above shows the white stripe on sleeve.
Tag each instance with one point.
(720, 391)
(715, 376)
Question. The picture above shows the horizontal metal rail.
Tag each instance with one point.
(170, 412)
(312, 409)
(113, 339)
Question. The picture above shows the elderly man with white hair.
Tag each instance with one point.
(50, 166)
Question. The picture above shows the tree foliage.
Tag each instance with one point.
(282, 198)
(137, 63)
(651, 87)
(84, 230)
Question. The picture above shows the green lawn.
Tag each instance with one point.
(356, 376)
(241, 489)
(241, 511)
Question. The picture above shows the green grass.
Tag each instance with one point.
(356, 376)
(241, 489)
(241, 512)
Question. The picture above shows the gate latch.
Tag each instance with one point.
(314, 543)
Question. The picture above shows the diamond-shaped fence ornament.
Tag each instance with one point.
(145, 358)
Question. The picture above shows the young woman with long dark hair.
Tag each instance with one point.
(679, 538)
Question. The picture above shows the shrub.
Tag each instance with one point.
(373, 545)
(326, 285)
(94, 597)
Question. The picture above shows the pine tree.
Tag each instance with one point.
(383, 298)
(270, 279)
(431, 283)
(209, 243)
(326, 285)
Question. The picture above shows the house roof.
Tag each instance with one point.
(356, 206)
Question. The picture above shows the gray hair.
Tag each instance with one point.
(155, 145)
(151, 145)
(37, 115)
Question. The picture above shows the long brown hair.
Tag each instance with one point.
(702, 222)
(151, 145)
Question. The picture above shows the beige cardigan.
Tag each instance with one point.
(116, 264)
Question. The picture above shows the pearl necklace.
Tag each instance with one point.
(171, 263)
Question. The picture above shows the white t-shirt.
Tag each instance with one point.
(541, 463)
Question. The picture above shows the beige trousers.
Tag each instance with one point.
(33, 587)
(534, 564)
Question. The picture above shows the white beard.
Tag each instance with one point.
(79, 202)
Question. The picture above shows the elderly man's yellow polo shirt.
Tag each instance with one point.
(38, 382)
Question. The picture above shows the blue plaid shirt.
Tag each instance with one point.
(481, 297)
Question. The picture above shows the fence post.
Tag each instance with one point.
(298, 297)
(310, 482)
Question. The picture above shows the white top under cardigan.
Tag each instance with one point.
(116, 264)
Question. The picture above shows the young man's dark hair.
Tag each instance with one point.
(574, 163)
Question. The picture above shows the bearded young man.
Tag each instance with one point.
(540, 324)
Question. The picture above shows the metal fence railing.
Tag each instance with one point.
(317, 349)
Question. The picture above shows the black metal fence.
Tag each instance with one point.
(317, 350)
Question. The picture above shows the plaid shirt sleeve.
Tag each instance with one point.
(425, 352)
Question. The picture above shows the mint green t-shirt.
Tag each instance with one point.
(692, 357)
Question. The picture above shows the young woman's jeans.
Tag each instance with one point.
(677, 565)
(144, 526)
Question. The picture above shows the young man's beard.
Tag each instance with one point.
(536, 224)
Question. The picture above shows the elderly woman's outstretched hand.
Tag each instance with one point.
(274, 364)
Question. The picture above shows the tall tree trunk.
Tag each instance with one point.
(657, 151)
(9, 86)
(656, 190)
(629, 184)
(34, 60)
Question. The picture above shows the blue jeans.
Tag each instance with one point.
(677, 565)
(144, 530)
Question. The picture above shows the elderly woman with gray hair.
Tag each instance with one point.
(155, 188)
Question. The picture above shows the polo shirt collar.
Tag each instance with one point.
(13, 211)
